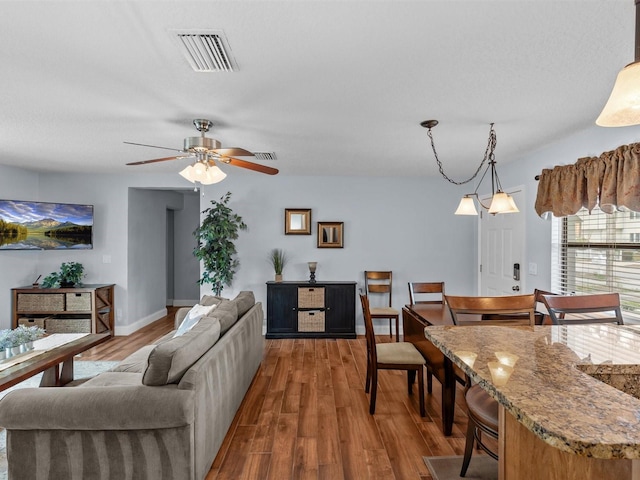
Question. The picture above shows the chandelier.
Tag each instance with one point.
(501, 202)
(623, 107)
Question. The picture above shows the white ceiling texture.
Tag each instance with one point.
(330, 87)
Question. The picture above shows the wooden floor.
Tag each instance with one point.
(306, 415)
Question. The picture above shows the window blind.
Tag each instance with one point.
(599, 253)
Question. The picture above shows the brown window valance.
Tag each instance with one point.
(611, 181)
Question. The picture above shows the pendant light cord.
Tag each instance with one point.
(488, 155)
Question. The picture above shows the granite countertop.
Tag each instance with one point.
(556, 387)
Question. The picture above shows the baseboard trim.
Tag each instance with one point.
(125, 330)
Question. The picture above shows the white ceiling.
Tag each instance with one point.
(332, 87)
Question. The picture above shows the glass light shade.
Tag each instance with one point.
(212, 174)
(187, 173)
(466, 207)
(623, 107)
(199, 169)
(312, 266)
(502, 203)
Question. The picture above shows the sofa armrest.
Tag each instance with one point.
(97, 408)
(180, 314)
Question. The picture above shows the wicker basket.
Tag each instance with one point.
(68, 325)
(41, 302)
(32, 322)
(310, 297)
(311, 321)
(78, 302)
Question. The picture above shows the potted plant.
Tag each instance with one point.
(215, 248)
(70, 275)
(278, 260)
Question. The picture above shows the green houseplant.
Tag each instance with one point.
(278, 260)
(70, 274)
(216, 249)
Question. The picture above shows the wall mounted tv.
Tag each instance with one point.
(45, 226)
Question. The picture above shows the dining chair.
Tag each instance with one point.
(434, 290)
(542, 314)
(380, 283)
(390, 356)
(482, 409)
(583, 309)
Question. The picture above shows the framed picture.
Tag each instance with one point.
(330, 235)
(297, 221)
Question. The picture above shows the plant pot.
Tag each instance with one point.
(3, 355)
(67, 284)
(278, 278)
(14, 351)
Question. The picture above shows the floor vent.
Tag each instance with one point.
(206, 51)
(265, 156)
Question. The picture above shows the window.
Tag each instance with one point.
(599, 253)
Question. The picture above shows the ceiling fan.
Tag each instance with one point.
(206, 151)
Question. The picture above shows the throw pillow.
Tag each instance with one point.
(193, 316)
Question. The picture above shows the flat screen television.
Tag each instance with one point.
(45, 226)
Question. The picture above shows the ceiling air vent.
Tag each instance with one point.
(265, 156)
(206, 51)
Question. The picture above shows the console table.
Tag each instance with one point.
(83, 309)
(317, 310)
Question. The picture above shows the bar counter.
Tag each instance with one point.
(559, 415)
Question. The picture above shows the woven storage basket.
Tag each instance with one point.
(78, 302)
(311, 321)
(310, 297)
(41, 302)
(67, 325)
(32, 322)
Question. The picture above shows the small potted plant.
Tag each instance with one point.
(70, 275)
(278, 260)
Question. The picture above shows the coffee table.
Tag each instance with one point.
(50, 361)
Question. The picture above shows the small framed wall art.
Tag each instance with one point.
(297, 221)
(330, 235)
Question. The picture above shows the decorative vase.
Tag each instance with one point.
(278, 277)
(14, 351)
(3, 355)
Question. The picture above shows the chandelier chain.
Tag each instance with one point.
(488, 154)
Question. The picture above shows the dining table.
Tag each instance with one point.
(414, 320)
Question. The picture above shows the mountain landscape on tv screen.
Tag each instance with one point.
(45, 226)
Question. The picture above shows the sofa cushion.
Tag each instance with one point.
(226, 313)
(244, 301)
(211, 300)
(169, 360)
(136, 362)
(192, 317)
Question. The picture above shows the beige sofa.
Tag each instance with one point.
(162, 413)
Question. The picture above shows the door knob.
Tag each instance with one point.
(515, 288)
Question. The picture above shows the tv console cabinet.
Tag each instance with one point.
(316, 310)
(82, 309)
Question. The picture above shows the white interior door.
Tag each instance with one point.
(502, 251)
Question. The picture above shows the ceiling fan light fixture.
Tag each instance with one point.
(188, 173)
(212, 175)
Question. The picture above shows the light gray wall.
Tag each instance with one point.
(186, 267)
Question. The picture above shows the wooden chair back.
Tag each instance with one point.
(368, 329)
(584, 309)
(542, 314)
(506, 310)
(426, 288)
(379, 282)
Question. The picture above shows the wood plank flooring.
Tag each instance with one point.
(306, 415)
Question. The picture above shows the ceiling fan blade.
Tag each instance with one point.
(233, 152)
(249, 165)
(158, 160)
(153, 146)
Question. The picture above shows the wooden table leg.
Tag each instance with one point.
(66, 375)
(448, 397)
(50, 377)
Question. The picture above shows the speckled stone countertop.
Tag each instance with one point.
(556, 387)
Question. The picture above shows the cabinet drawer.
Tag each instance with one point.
(311, 321)
(78, 302)
(41, 302)
(310, 297)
